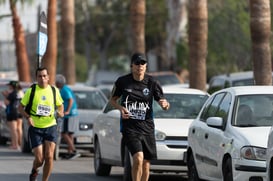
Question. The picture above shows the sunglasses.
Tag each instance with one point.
(140, 62)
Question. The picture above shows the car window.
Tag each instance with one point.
(243, 82)
(185, 106)
(108, 108)
(89, 99)
(211, 109)
(253, 110)
(167, 79)
(224, 108)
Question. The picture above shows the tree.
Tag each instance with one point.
(137, 18)
(198, 30)
(260, 27)
(50, 58)
(176, 28)
(68, 38)
(20, 45)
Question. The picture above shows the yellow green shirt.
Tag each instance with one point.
(42, 110)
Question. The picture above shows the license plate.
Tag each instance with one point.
(83, 139)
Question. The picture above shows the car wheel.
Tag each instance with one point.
(270, 174)
(192, 171)
(101, 169)
(127, 175)
(3, 141)
(25, 147)
(227, 170)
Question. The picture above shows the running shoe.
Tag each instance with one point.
(33, 175)
(74, 155)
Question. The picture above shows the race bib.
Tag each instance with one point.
(43, 110)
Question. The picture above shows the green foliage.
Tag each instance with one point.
(229, 43)
(81, 68)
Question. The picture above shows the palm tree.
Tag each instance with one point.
(137, 18)
(260, 28)
(68, 38)
(20, 45)
(198, 35)
(50, 58)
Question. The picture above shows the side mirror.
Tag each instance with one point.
(215, 122)
(114, 113)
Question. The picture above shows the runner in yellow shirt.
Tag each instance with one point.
(42, 123)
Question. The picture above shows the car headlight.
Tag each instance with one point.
(159, 135)
(253, 153)
(85, 126)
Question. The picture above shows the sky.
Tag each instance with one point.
(28, 17)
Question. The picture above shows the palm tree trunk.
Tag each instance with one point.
(198, 35)
(260, 28)
(20, 46)
(137, 17)
(50, 58)
(68, 38)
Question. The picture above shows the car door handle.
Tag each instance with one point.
(206, 135)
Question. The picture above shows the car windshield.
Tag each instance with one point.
(185, 106)
(243, 82)
(89, 99)
(167, 79)
(254, 110)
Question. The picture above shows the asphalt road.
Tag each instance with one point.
(15, 166)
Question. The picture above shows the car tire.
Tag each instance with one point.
(25, 147)
(3, 140)
(101, 169)
(127, 175)
(227, 170)
(270, 172)
(192, 171)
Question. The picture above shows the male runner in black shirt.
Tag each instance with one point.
(137, 91)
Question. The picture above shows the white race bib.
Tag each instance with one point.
(43, 110)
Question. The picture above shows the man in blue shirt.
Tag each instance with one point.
(70, 119)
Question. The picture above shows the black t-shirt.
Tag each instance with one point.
(137, 97)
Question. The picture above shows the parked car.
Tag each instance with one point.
(228, 139)
(106, 89)
(166, 77)
(171, 130)
(90, 101)
(222, 81)
(269, 156)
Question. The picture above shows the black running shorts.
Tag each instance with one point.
(141, 143)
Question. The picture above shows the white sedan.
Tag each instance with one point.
(90, 102)
(269, 153)
(171, 130)
(228, 139)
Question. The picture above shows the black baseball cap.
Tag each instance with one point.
(138, 57)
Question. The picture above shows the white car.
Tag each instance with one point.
(90, 102)
(171, 130)
(269, 157)
(228, 139)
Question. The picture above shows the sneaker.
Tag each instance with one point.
(33, 175)
(74, 155)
